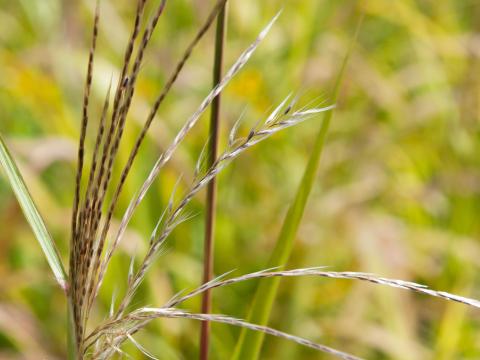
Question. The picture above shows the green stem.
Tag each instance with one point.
(71, 342)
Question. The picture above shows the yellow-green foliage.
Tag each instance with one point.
(397, 193)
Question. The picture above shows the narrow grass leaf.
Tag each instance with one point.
(32, 215)
(250, 343)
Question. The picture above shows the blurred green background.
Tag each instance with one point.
(398, 193)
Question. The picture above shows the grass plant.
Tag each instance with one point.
(96, 237)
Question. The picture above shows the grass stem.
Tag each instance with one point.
(208, 254)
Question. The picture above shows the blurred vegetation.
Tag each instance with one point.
(398, 193)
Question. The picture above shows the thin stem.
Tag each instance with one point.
(212, 186)
(71, 330)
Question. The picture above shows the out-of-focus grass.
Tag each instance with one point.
(398, 193)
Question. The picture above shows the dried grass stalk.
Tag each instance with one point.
(401, 284)
(124, 328)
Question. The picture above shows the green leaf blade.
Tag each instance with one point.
(32, 215)
(250, 343)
